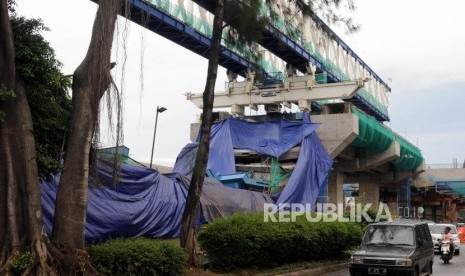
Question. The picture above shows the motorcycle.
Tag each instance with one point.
(446, 248)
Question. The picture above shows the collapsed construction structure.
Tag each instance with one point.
(303, 118)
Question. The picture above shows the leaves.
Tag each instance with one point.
(21, 261)
(5, 94)
(46, 90)
(328, 10)
(245, 240)
(137, 257)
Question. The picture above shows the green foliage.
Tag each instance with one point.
(243, 17)
(137, 257)
(20, 262)
(5, 94)
(328, 10)
(11, 4)
(245, 240)
(46, 90)
(245, 26)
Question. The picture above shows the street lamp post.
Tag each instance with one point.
(159, 110)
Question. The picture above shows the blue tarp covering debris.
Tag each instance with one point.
(272, 138)
(147, 203)
(144, 202)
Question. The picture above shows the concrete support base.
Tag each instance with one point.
(336, 131)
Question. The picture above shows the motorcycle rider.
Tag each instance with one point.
(447, 236)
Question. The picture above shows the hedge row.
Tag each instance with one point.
(245, 240)
(137, 257)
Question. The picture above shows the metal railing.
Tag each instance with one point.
(446, 166)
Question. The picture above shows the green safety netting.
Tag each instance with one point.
(372, 134)
(364, 93)
(205, 28)
(296, 34)
(410, 156)
(277, 175)
(378, 138)
(321, 78)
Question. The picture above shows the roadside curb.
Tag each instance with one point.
(317, 271)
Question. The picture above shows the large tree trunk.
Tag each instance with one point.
(188, 239)
(90, 81)
(20, 200)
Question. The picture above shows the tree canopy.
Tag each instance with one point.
(46, 89)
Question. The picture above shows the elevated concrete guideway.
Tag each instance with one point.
(311, 41)
(189, 24)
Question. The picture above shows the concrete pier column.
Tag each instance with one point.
(369, 193)
(335, 189)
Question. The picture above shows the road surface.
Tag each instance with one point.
(456, 267)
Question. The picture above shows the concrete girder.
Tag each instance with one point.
(378, 159)
(353, 165)
(383, 168)
(388, 178)
(402, 176)
(371, 161)
(358, 177)
(347, 154)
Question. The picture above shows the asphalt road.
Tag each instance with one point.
(456, 267)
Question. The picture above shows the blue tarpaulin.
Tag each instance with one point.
(143, 202)
(147, 203)
(273, 138)
(457, 185)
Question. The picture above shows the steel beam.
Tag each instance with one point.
(245, 94)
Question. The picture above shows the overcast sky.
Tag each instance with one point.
(417, 46)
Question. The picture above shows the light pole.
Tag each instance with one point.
(159, 110)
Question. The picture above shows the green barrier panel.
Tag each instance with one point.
(372, 134)
(276, 175)
(410, 156)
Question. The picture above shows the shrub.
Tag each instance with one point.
(245, 240)
(137, 257)
(20, 262)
